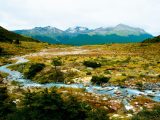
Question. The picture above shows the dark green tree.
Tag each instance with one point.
(57, 62)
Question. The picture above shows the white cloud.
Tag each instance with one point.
(18, 14)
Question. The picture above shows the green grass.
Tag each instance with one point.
(125, 64)
(9, 50)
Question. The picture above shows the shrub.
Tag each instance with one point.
(124, 74)
(17, 42)
(56, 62)
(34, 69)
(47, 105)
(107, 72)
(56, 76)
(148, 114)
(6, 105)
(88, 73)
(99, 80)
(92, 64)
(139, 84)
(15, 83)
(71, 74)
(1, 50)
(49, 76)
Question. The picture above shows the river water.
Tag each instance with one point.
(113, 91)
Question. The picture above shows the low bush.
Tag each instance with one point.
(34, 68)
(139, 84)
(49, 105)
(7, 106)
(56, 62)
(89, 73)
(99, 80)
(148, 114)
(1, 50)
(50, 77)
(17, 42)
(92, 64)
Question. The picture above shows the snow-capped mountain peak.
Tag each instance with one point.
(48, 29)
(77, 29)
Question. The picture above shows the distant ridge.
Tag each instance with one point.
(8, 36)
(84, 36)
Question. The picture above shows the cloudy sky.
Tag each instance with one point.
(24, 14)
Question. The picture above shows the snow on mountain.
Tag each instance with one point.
(77, 29)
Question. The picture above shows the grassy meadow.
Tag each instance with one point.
(125, 64)
(8, 50)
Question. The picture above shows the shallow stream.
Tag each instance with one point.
(113, 91)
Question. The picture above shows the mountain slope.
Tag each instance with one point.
(82, 35)
(84, 39)
(153, 40)
(8, 36)
(121, 30)
(45, 34)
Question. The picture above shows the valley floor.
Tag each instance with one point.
(133, 71)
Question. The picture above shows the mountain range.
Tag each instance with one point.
(84, 36)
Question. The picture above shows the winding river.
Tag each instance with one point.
(125, 94)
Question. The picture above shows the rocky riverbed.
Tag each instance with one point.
(152, 90)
